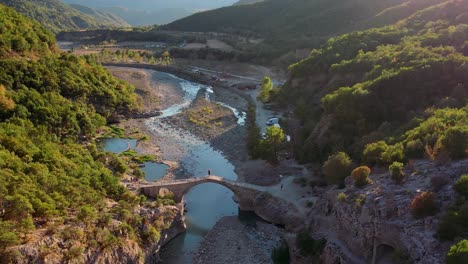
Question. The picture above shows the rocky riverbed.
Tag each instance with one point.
(231, 241)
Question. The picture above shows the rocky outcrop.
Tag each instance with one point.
(278, 211)
(177, 227)
(70, 243)
(375, 222)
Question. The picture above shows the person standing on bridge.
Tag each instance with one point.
(209, 172)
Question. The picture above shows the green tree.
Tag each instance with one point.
(265, 92)
(274, 137)
(337, 168)
(373, 152)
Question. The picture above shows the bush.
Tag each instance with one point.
(373, 152)
(151, 235)
(393, 153)
(341, 197)
(458, 253)
(337, 168)
(424, 204)
(87, 214)
(396, 170)
(309, 246)
(455, 142)
(360, 176)
(7, 239)
(461, 186)
(454, 223)
(414, 149)
(280, 255)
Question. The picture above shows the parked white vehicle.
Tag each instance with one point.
(272, 121)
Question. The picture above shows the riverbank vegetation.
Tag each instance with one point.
(53, 177)
(131, 56)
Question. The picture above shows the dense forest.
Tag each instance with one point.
(58, 16)
(285, 25)
(53, 176)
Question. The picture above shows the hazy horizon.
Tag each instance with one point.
(155, 5)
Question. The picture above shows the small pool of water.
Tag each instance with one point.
(154, 171)
(119, 145)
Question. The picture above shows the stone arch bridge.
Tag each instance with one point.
(245, 194)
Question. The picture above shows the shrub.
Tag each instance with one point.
(87, 214)
(414, 149)
(461, 186)
(455, 142)
(309, 246)
(280, 255)
(337, 168)
(439, 181)
(396, 171)
(424, 204)
(74, 253)
(151, 235)
(458, 253)
(393, 153)
(373, 152)
(7, 239)
(454, 223)
(360, 176)
(360, 201)
(341, 197)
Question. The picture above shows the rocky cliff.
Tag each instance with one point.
(375, 225)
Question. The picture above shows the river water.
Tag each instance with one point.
(206, 203)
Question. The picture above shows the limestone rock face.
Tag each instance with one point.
(375, 222)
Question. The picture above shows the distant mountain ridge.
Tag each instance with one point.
(247, 2)
(155, 5)
(286, 25)
(149, 12)
(58, 16)
(101, 15)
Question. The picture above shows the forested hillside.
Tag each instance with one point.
(57, 16)
(285, 25)
(54, 182)
(102, 17)
(386, 94)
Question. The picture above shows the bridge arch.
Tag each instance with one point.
(244, 193)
